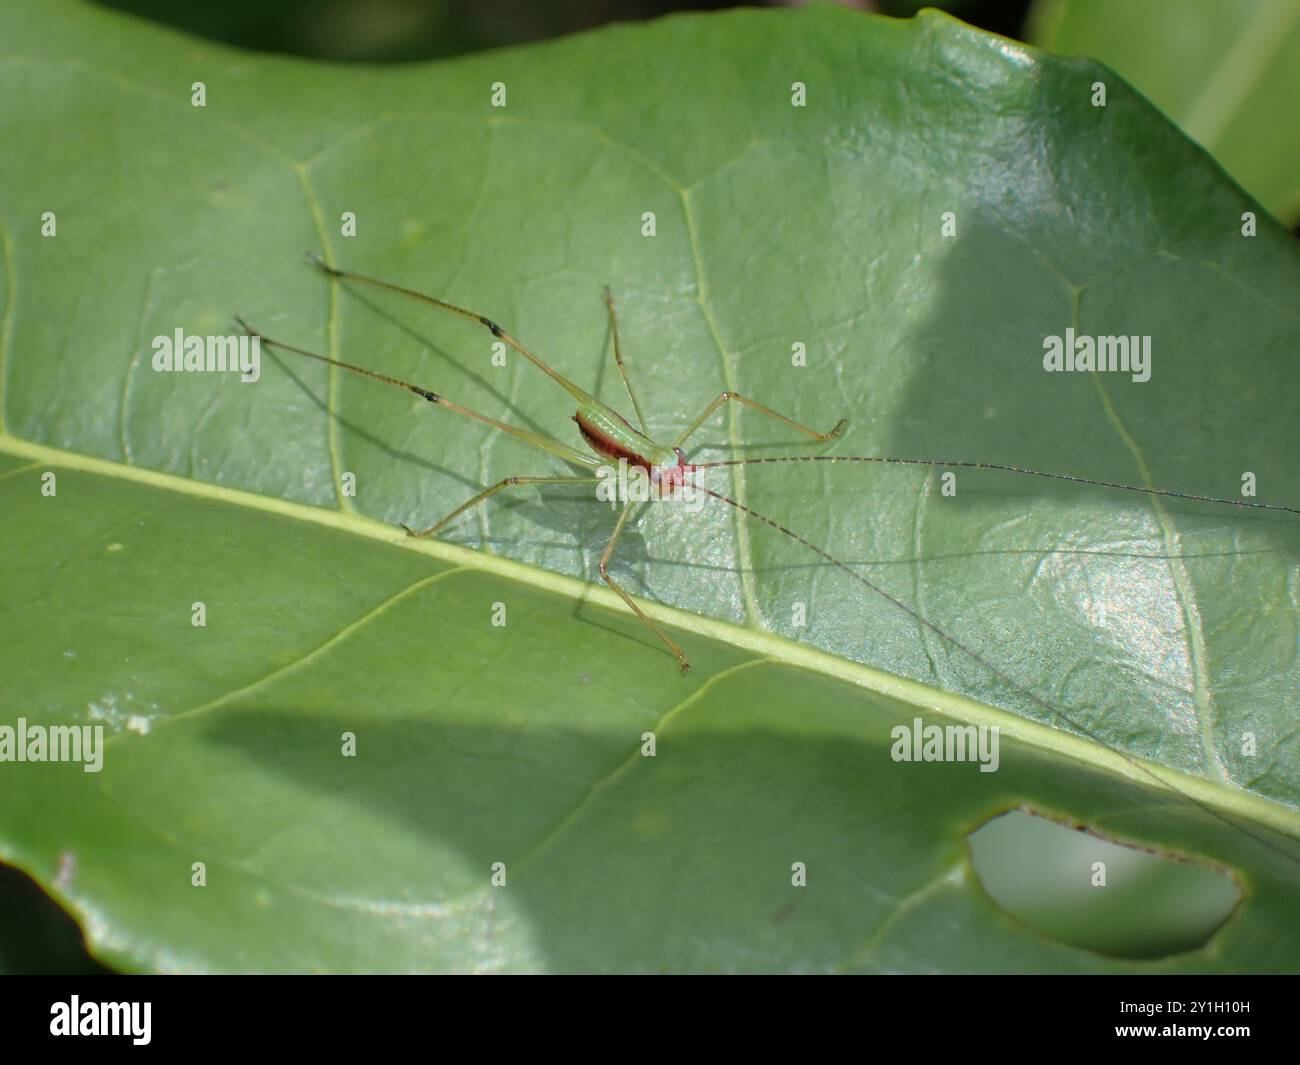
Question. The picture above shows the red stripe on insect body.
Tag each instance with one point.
(605, 445)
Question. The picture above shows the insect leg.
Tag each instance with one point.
(581, 395)
(618, 358)
(738, 398)
(544, 443)
(604, 573)
(508, 482)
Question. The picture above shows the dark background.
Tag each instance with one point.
(406, 30)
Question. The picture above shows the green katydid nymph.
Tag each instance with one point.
(610, 437)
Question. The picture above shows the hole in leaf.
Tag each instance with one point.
(1084, 891)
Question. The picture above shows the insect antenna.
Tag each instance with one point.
(1005, 468)
(997, 673)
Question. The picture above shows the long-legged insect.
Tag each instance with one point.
(610, 437)
(608, 434)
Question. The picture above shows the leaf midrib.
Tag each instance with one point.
(767, 646)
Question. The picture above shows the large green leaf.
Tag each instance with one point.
(1163, 630)
(1227, 71)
